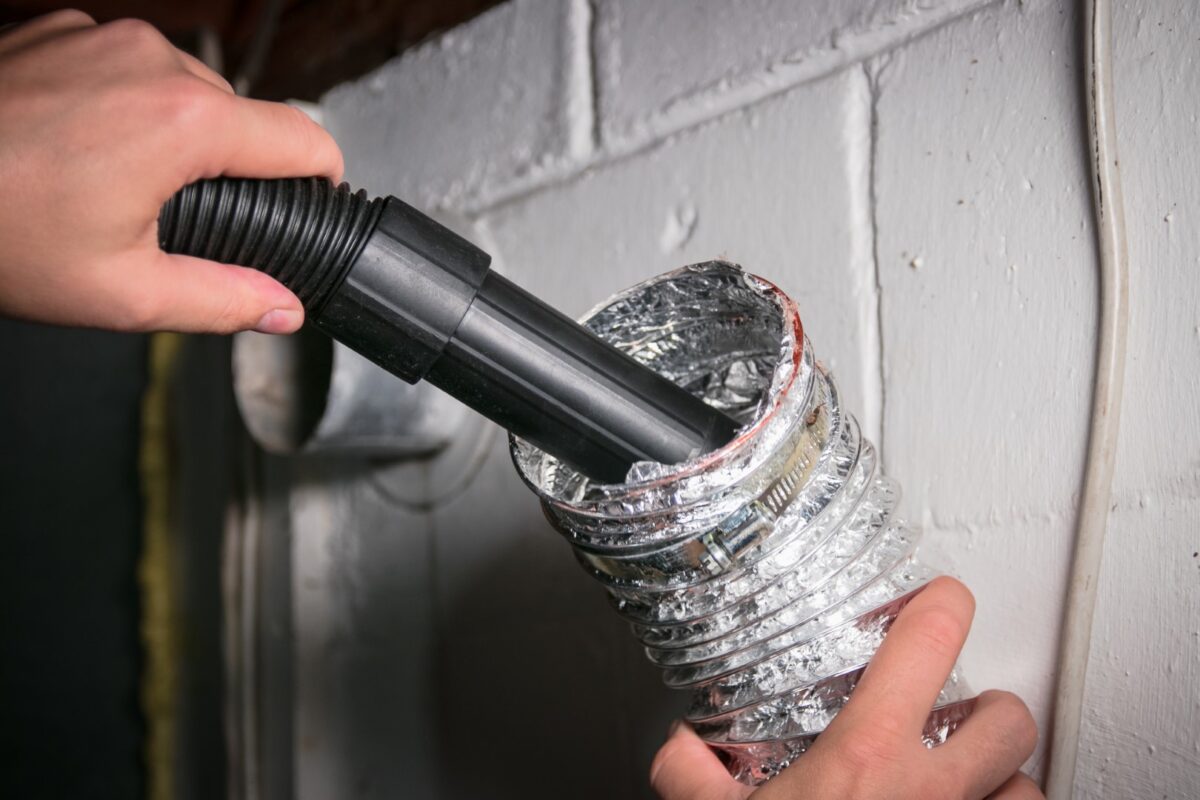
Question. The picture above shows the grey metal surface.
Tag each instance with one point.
(307, 393)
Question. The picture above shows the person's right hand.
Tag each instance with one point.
(99, 126)
(872, 750)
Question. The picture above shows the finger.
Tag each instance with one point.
(181, 293)
(685, 769)
(990, 745)
(43, 28)
(260, 139)
(1019, 787)
(203, 71)
(903, 680)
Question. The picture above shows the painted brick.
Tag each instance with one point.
(474, 108)
(1141, 724)
(661, 66)
(1141, 714)
(987, 267)
(1157, 72)
(364, 634)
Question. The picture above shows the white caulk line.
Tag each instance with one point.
(580, 88)
(859, 130)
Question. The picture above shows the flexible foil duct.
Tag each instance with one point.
(760, 577)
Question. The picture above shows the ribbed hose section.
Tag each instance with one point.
(763, 576)
(304, 232)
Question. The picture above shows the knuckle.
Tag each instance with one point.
(187, 100)
(298, 117)
(231, 315)
(339, 162)
(660, 773)
(1025, 788)
(939, 630)
(1019, 787)
(135, 34)
(312, 136)
(660, 760)
(223, 82)
(301, 126)
(1018, 721)
(67, 17)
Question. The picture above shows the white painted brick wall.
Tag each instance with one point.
(988, 280)
(914, 174)
(473, 110)
(363, 601)
(1141, 726)
(663, 66)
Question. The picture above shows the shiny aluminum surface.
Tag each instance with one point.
(764, 575)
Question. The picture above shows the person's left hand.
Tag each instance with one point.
(873, 748)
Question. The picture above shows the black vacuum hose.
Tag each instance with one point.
(420, 301)
(303, 232)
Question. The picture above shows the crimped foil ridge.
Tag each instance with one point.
(761, 577)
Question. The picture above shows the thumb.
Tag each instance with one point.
(193, 295)
(685, 769)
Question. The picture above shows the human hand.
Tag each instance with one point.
(99, 126)
(873, 748)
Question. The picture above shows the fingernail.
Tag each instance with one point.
(280, 320)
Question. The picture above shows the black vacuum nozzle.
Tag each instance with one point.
(420, 301)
